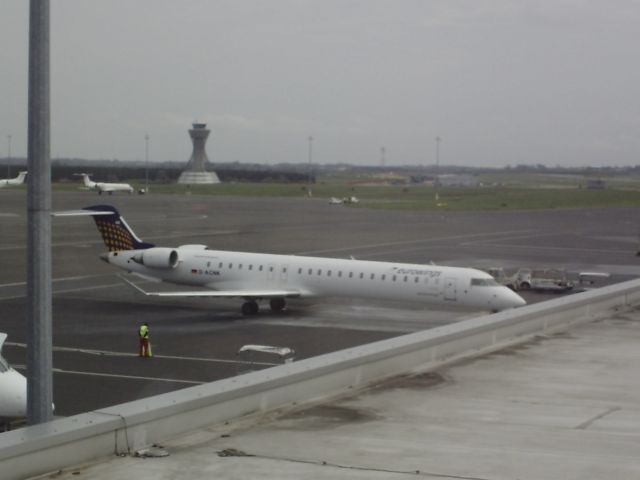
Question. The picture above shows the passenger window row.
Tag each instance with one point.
(319, 272)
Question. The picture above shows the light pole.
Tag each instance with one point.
(39, 304)
(146, 163)
(8, 155)
(310, 158)
(438, 140)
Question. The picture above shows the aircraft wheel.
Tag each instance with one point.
(277, 304)
(250, 308)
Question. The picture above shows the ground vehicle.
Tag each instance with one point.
(542, 279)
(589, 280)
(501, 277)
(256, 357)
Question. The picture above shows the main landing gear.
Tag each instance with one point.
(250, 307)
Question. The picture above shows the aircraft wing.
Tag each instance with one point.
(275, 293)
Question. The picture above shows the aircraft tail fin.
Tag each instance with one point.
(86, 180)
(115, 231)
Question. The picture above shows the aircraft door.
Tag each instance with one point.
(450, 289)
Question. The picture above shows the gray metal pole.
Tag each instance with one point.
(146, 163)
(438, 140)
(39, 306)
(310, 157)
(8, 156)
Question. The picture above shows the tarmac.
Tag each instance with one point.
(402, 429)
(96, 315)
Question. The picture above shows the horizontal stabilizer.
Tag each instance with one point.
(80, 213)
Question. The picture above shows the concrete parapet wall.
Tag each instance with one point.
(127, 427)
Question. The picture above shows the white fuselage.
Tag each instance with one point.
(316, 276)
(106, 187)
(113, 187)
(13, 392)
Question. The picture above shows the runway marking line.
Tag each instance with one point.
(68, 290)
(109, 353)
(547, 248)
(409, 242)
(113, 375)
(80, 243)
(61, 279)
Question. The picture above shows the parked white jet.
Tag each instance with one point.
(258, 276)
(13, 390)
(103, 186)
(19, 180)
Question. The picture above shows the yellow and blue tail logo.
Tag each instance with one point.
(117, 235)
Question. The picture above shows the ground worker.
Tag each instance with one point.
(145, 343)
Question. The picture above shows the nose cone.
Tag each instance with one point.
(13, 397)
(507, 298)
(104, 257)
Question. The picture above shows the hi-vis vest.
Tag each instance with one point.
(144, 331)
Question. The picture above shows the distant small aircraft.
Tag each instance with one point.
(19, 180)
(13, 390)
(104, 186)
(257, 276)
(343, 201)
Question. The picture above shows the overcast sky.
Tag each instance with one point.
(502, 82)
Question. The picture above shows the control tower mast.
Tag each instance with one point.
(196, 171)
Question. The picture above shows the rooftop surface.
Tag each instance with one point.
(564, 406)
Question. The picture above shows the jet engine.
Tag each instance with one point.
(157, 257)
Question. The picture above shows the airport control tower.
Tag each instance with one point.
(196, 171)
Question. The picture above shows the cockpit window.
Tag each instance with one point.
(484, 282)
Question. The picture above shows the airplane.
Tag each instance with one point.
(13, 390)
(343, 201)
(19, 180)
(276, 278)
(103, 186)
